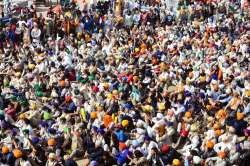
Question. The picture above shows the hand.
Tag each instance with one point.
(86, 155)
(34, 151)
(147, 119)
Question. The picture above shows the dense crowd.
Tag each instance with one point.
(130, 82)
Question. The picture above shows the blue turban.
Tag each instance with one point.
(44, 124)
(35, 140)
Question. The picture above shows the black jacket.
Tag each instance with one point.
(168, 157)
(156, 160)
(97, 154)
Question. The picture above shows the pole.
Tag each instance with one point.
(6, 7)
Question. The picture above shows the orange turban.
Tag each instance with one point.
(107, 119)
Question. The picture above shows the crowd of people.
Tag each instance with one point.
(130, 82)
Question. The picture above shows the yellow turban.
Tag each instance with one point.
(176, 162)
(125, 123)
(161, 106)
(93, 115)
(188, 114)
(147, 108)
(239, 116)
(31, 66)
(110, 96)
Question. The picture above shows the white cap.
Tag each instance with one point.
(214, 82)
(221, 86)
(140, 131)
(52, 156)
(159, 115)
(197, 160)
(228, 91)
(139, 123)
